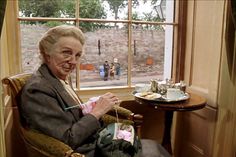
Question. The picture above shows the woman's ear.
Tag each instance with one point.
(46, 57)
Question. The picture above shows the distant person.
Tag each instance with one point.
(106, 70)
(101, 71)
(112, 71)
(117, 70)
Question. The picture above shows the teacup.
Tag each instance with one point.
(174, 93)
(142, 87)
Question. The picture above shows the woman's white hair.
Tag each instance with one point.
(54, 34)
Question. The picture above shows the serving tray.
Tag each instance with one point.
(161, 98)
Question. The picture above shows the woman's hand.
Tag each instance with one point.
(104, 104)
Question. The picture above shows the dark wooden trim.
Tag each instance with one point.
(166, 141)
(230, 38)
(3, 4)
(181, 40)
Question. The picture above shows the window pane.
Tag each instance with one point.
(30, 36)
(155, 10)
(106, 9)
(104, 42)
(46, 8)
(149, 49)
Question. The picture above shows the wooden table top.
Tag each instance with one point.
(195, 102)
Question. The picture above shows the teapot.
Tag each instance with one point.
(154, 86)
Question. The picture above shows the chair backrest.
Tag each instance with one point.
(34, 143)
(15, 83)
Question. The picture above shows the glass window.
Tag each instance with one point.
(148, 47)
(46, 8)
(119, 51)
(105, 58)
(93, 9)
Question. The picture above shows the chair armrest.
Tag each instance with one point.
(48, 145)
(108, 119)
(125, 113)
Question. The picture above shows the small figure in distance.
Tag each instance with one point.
(118, 71)
(106, 70)
(112, 71)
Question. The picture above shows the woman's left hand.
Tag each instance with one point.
(104, 104)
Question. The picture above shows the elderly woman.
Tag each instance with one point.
(46, 98)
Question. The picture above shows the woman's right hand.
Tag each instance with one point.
(104, 104)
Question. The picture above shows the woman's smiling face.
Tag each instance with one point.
(64, 57)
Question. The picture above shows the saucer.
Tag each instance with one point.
(148, 95)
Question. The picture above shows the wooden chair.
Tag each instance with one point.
(40, 145)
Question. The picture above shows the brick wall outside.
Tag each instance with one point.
(113, 44)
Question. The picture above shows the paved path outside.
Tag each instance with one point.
(121, 82)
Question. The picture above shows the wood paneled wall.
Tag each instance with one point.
(211, 72)
(2, 138)
(225, 137)
(153, 122)
(205, 26)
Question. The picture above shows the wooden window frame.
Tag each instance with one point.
(178, 57)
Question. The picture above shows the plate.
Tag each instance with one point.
(159, 98)
(148, 95)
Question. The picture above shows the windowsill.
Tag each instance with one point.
(105, 88)
(123, 92)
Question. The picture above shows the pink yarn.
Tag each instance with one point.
(124, 134)
(89, 105)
